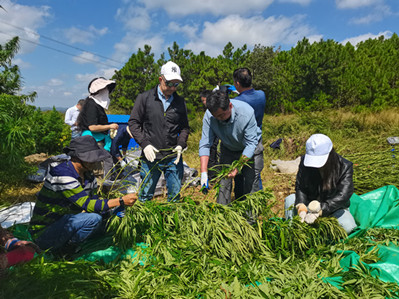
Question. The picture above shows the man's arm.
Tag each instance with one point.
(136, 121)
(204, 163)
(250, 137)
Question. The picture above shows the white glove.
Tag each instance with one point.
(204, 180)
(311, 217)
(302, 215)
(178, 149)
(112, 133)
(314, 206)
(123, 163)
(150, 152)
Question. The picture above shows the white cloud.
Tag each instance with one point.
(131, 42)
(251, 31)
(217, 8)
(86, 78)
(85, 57)
(357, 39)
(23, 21)
(55, 82)
(301, 2)
(22, 64)
(134, 18)
(189, 31)
(352, 4)
(75, 35)
(378, 13)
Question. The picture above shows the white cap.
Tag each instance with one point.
(100, 83)
(171, 71)
(318, 148)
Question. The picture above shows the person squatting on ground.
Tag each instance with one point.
(93, 120)
(257, 100)
(213, 154)
(71, 116)
(159, 124)
(235, 124)
(324, 185)
(68, 210)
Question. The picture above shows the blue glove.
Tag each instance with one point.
(119, 211)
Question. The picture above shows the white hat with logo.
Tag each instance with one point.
(171, 71)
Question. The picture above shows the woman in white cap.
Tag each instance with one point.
(324, 185)
(93, 120)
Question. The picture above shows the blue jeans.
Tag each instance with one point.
(69, 229)
(150, 173)
(344, 217)
(75, 133)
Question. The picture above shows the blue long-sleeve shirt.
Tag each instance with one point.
(239, 133)
(257, 100)
(122, 139)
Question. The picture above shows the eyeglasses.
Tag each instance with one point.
(170, 83)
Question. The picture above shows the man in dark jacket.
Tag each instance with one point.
(159, 124)
(324, 185)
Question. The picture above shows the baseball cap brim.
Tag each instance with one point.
(101, 83)
(93, 156)
(315, 161)
(173, 76)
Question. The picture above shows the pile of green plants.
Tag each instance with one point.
(199, 249)
(373, 170)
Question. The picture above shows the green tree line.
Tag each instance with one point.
(308, 77)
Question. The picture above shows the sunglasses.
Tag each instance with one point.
(170, 83)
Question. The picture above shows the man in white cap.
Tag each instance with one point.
(324, 185)
(159, 124)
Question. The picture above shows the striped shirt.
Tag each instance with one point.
(63, 193)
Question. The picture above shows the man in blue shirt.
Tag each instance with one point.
(235, 124)
(257, 100)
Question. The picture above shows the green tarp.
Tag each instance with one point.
(378, 208)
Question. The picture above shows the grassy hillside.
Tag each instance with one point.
(358, 136)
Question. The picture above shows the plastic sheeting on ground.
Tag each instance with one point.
(19, 213)
(375, 209)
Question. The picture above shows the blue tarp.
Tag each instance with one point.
(122, 119)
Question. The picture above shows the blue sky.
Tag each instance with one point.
(64, 44)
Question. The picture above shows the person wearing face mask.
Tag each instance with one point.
(324, 185)
(159, 124)
(93, 120)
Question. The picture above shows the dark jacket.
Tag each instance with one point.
(308, 187)
(149, 124)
